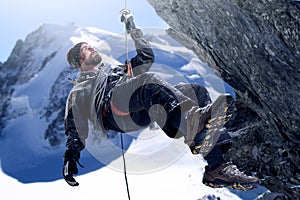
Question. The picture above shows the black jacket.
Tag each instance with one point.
(84, 103)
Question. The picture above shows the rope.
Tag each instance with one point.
(130, 74)
(124, 165)
(126, 36)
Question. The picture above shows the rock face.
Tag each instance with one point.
(254, 46)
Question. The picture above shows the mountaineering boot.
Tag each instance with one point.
(224, 141)
(228, 175)
(212, 118)
(195, 119)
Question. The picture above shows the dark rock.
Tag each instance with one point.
(210, 197)
(254, 46)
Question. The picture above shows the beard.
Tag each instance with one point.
(93, 59)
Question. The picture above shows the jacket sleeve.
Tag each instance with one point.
(142, 62)
(74, 142)
(76, 126)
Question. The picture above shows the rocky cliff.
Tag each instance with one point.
(254, 46)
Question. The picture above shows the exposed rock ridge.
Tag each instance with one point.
(254, 46)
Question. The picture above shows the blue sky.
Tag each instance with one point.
(19, 18)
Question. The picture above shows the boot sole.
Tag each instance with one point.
(231, 185)
(221, 111)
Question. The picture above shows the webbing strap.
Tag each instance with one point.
(117, 111)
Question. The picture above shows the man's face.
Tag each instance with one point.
(89, 56)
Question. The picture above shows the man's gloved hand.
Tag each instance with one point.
(127, 18)
(71, 157)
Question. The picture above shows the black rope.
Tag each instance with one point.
(124, 164)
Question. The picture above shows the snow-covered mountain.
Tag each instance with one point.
(34, 88)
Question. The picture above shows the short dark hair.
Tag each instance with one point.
(73, 55)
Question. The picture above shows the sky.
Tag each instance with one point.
(19, 18)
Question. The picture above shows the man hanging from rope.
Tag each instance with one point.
(114, 100)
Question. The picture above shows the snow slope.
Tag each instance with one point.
(179, 180)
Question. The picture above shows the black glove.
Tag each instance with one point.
(127, 18)
(71, 159)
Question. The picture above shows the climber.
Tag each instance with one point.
(112, 99)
